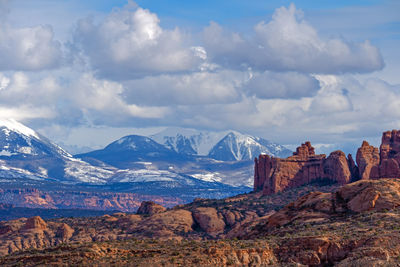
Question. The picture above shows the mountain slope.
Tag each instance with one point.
(128, 150)
(18, 140)
(236, 146)
(25, 154)
(188, 141)
(142, 166)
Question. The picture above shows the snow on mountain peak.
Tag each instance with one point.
(15, 126)
(188, 141)
(237, 146)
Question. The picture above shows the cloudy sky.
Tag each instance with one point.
(84, 73)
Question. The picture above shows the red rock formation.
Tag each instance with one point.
(353, 168)
(150, 208)
(337, 167)
(35, 223)
(274, 175)
(262, 168)
(367, 157)
(374, 164)
(390, 146)
(64, 232)
(390, 155)
(209, 220)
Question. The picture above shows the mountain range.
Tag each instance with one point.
(185, 163)
(225, 146)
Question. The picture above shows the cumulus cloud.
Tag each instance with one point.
(103, 98)
(281, 85)
(30, 48)
(289, 43)
(186, 89)
(130, 43)
(82, 100)
(343, 109)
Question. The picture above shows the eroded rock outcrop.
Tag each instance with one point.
(35, 223)
(209, 220)
(150, 208)
(385, 162)
(361, 196)
(367, 157)
(272, 175)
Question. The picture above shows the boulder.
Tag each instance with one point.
(209, 220)
(150, 208)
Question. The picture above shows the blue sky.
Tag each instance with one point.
(87, 72)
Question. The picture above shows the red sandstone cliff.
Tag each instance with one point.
(272, 175)
(385, 162)
(367, 157)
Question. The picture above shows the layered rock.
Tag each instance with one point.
(272, 175)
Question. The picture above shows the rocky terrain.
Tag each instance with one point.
(33, 198)
(306, 210)
(355, 225)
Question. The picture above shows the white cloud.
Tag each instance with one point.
(281, 85)
(289, 43)
(186, 89)
(130, 43)
(29, 48)
(25, 112)
(104, 97)
(82, 100)
(332, 97)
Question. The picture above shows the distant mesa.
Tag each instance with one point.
(273, 175)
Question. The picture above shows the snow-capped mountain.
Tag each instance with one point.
(225, 146)
(18, 140)
(237, 146)
(25, 153)
(188, 141)
(128, 150)
(29, 159)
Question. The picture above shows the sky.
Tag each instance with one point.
(84, 73)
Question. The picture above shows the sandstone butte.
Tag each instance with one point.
(273, 175)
